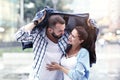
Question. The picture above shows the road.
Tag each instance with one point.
(106, 68)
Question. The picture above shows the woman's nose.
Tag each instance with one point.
(69, 37)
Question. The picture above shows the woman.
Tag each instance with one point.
(75, 64)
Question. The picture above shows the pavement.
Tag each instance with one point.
(107, 67)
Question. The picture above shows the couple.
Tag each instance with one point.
(52, 55)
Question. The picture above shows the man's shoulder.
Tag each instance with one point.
(66, 33)
(41, 31)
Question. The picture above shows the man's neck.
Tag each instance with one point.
(51, 37)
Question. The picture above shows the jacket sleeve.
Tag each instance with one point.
(22, 36)
(81, 69)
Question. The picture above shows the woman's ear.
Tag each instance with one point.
(50, 30)
(81, 41)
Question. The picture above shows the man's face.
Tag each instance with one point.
(58, 31)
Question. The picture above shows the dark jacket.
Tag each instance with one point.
(71, 20)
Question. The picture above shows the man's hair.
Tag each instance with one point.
(54, 19)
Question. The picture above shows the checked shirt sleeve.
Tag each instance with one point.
(22, 36)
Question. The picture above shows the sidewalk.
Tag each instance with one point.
(15, 66)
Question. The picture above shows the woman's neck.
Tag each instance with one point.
(73, 51)
(75, 48)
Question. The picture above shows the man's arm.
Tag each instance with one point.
(23, 34)
(29, 27)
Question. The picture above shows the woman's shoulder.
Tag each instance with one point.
(83, 52)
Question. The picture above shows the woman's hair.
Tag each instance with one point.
(82, 33)
(89, 38)
(89, 44)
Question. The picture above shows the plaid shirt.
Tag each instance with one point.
(39, 46)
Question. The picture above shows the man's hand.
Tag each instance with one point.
(39, 16)
(37, 19)
(40, 20)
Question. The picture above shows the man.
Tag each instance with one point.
(49, 44)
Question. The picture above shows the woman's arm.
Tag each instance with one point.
(82, 67)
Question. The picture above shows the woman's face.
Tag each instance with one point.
(73, 38)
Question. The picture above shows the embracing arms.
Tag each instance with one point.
(81, 69)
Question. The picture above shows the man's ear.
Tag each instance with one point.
(50, 30)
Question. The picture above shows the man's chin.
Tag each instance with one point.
(58, 37)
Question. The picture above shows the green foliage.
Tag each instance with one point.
(40, 4)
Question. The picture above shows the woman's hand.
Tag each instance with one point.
(53, 66)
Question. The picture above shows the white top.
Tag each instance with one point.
(53, 54)
(68, 63)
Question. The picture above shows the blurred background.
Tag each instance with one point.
(15, 63)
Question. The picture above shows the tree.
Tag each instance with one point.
(39, 5)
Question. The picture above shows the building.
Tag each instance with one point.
(114, 14)
(8, 19)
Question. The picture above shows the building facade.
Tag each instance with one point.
(8, 19)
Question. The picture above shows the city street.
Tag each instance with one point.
(106, 68)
